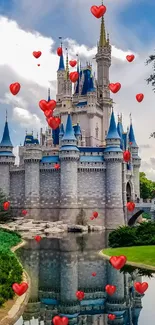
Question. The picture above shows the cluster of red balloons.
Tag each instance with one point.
(115, 87)
(94, 216)
(48, 107)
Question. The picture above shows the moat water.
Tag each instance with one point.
(60, 267)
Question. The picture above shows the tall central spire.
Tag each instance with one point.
(103, 40)
(67, 66)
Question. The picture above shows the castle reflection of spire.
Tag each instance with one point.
(60, 267)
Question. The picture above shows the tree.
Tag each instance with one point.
(152, 76)
(147, 187)
(4, 214)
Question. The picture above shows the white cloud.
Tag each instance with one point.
(26, 118)
(16, 153)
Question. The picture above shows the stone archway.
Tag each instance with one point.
(128, 192)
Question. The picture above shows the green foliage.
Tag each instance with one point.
(146, 215)
(125, 236)
(4, 215)
(10, 269)
(151, 78)
(147, 187)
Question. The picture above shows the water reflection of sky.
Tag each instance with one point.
(60, 267)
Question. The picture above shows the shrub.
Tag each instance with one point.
(4, 215)
(125, 236)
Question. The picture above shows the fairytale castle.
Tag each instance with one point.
(89, 148)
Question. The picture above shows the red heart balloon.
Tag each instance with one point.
(110, 289)
(73, 63)
(130, 206)
(38, 65)
(37, 54)
(74, 76)
(139, 97)
(56, 166)
(6, 205)
(80, 295)
(54, 122)
(98, 11)
(118, 261)
(57, 320)
(130, 143)
(94, 274)
(50, 105)
(92, 218)
(14, 88)
(59, 51)
(130, 58)
(20, 289)
(24, 212)
(126, 156)
(37, 238)
(48, 113)
(95, 214)
(141, 287)
(115, 87)
(111, 316)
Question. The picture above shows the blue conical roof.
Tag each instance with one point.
(120, 132)
(112, 132)
(91, 84)
(6, 142)
(78, 130)
(61, 63)
(69, 132)
(62, 131)
(132, 136)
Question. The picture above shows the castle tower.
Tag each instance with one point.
(136, 161)
(32, 157)
(78, 134)
(113, 156)
(103, 60)
(7, 159)
(69, 156)
(60, 80)
(67, 96)
(91, 103)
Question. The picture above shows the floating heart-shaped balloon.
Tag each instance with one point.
(14, 88)
(38, 65)
(80, 295)
(74, 76)
(98, 11)
(38, 238)
(111, 316)
(130, 206)
(24, 212)
(59, 51)
(130, 58)
(118, 261)
(139, 97)
(57, 320)
(6, 205)
(57, 166)
(126, 155)
(141, 287)
(20, 289)
(94, 274)
(92, 218)
(47, 105)
(115, 87)
(110, 289)
(130, 143)
(54, 122)
(37, 54)
(48, 113)
(95, 214)
(73, 63)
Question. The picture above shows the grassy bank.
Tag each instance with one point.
(10, 269)
(140, 254)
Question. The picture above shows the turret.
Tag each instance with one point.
(103, 60)
(78, 134)
(60, 80)
(6, 160)
(67, 95)
(120, 131)
(69, 156)
(136, 161)
(113, 156)
(61, 133)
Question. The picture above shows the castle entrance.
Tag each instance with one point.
(128, 192)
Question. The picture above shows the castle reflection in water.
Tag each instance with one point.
(60, 267)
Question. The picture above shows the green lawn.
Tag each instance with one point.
(137, 254)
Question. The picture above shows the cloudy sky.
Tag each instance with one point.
(27, 26)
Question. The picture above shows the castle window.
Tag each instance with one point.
(64, 105)
(96, 129)
(100, 95)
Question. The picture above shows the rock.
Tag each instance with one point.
(77, 228)
(53, 230)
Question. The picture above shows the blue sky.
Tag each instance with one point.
(131, 26)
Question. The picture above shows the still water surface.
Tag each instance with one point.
(60, 267)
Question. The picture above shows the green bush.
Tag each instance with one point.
(125, 236)
(5, 215)
(10, 269)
